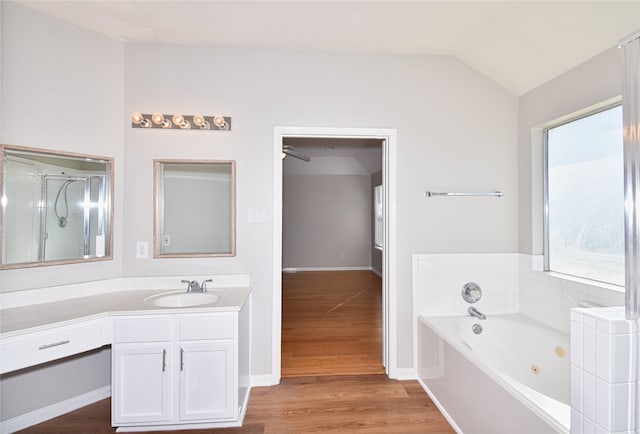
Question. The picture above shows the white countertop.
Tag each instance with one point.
(37, 317)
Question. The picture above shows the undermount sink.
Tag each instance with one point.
(182, 299)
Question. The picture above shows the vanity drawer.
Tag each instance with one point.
(207, 326)
(142, 329)
(39, 347)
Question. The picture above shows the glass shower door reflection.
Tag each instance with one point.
(72, 216)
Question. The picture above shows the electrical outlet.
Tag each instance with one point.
(142, 249)
(166, 240)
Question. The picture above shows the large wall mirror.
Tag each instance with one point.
(56, 207)
(194, 208)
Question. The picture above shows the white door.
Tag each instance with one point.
(207, 381)
(140, 383)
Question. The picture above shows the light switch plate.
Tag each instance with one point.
(142, 249)
(258, 215)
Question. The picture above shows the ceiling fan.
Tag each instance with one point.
(290, 150)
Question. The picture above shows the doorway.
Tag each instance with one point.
(388, 138)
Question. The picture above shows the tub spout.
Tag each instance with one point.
(475, 312)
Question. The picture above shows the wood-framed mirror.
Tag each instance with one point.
(195, 208)
(56, 207)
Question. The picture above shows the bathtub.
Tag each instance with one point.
(512, 377)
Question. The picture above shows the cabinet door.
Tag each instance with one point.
(140, 383)
(207, 381)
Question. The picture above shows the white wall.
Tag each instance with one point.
(326, 221)
(456, 131)
(61, 89)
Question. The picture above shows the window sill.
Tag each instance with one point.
(582, 280)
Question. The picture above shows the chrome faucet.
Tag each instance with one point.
(194, 286)
(476, 313)
(203, 286)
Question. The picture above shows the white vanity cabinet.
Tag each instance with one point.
(207, 381)
(178, 370)
(141, 370)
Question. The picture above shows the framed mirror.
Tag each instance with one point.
(195, 208)
(56, 207)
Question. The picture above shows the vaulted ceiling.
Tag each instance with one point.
(518, 44)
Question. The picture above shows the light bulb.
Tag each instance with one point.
(157, 118)
(137, 118)
(198, 120)
(180, 121)
(219, 122)
(205, 125)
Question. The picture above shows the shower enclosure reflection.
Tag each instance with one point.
(56, 207)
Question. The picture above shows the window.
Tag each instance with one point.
(377, 213)
(584, 197)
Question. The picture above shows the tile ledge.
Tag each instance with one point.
(589, 282)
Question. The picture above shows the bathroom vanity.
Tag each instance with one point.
(172, 367)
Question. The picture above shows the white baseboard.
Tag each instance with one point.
(403, 374)
(54, 410)
(297, 269)
(377, 272)
(262, 380)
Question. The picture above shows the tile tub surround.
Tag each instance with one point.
(511, 283)
(548, 297)
(438, 280)
(604, 375)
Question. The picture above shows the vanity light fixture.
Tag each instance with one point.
(179, 121)
(139, 120)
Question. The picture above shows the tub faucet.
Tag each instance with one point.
(475, 312)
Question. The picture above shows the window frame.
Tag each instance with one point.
(378, 206)
(545, 178)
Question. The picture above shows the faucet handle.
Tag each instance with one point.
(188, 282)
(203, 287)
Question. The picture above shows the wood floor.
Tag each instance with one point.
(331, 323)
(331, 331)
(342, 404)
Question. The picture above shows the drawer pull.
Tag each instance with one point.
(55, 344)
